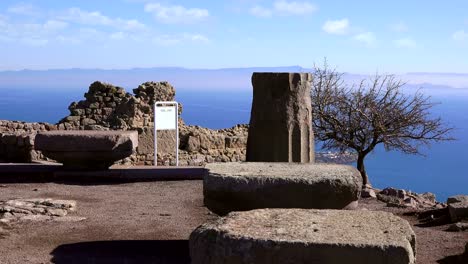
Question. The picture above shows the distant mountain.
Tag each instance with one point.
(202, 79)
(207, 79)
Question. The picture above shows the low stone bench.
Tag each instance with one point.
(245, 186)
(304, 236)
(86, 149)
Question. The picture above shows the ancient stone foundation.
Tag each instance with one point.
(245, 186)
(281, 121)
(304, 236)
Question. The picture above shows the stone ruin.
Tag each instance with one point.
(109, 107)
(269, 204)
(281, 121)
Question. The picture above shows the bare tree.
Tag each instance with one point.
(360, 117)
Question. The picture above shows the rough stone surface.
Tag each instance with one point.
(457, 227)
(407, 199)
(304, 236)
(458, 207)
(17, 140)
(281, 121)
(250, 185)
(466, 252)
(87, 149)
(37, 209)
(368, 193)
(457, 199)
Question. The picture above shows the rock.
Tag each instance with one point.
(38, 218)
(394, 192)
(69, 219)
(304, 236)
(368, 193)
(281, 121)
(401, 198)
(429, 197)
(193, 144)
(87, 149)
(457, 199)
(250, 185)
(458, 207)
(410, 202)
(456, 227)
(36, 209)
(155, 91)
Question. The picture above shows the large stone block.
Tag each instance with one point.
(304, 236)
(281, 121)
(86, 149)
(458, 207)
(245, 186)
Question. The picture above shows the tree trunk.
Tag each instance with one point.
(362, 169)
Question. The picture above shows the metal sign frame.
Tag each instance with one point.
(176, 105)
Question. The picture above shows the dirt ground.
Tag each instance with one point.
(147, 222)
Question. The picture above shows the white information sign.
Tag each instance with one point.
(166, 117)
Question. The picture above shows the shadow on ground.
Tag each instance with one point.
(457, 259)
(123, 251)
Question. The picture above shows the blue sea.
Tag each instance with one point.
(443, 170)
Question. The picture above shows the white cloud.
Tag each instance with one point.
(405, 43)
(32, 34)
(55, 25)
(337, 27)
(34, 41)
(79, 16)
(3, 20)
(399, 27)
(95, 18)
(284, 7)
(260, 11)
(77, 26)
(118, 35)
(23, 9)
(176, 14)
(171, 40)
(460, 35)
(132, 25)
(197, 38)
(367, 38)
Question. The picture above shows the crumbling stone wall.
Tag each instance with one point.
(109, 107)
(17, 140)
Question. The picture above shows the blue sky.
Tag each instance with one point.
(355, 36)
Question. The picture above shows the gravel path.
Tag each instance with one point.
(147, 222)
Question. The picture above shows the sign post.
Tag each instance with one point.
(166, 117)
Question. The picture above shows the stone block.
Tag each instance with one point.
(245, 186)
(277, 236)
(458, 207)
(281, 121)
(81, 149)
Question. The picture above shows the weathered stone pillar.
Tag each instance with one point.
(281, 120)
